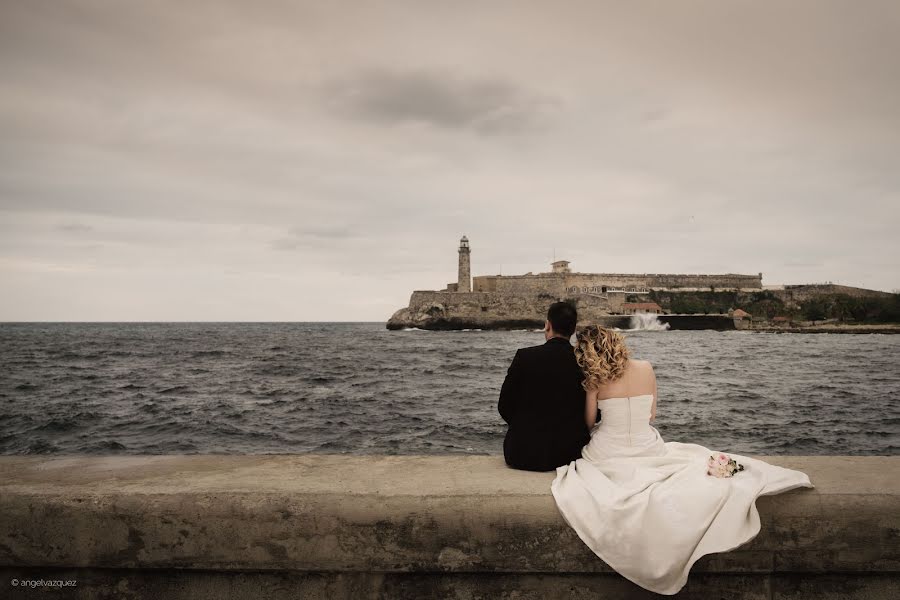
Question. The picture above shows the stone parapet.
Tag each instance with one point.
(414, 526)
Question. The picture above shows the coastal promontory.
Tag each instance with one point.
(676, 301)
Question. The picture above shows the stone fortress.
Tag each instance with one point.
(513, 301)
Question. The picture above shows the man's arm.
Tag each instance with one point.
(509, 392)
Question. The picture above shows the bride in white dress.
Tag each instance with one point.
(647, 507)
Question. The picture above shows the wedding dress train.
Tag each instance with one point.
(648, 508)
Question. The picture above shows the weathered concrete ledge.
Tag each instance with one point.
(402, 527)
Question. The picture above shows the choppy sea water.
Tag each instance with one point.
(246, 388)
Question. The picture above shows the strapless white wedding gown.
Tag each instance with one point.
(648, 508)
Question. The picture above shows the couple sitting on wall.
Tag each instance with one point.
(648, 508)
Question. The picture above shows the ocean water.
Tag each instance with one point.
(247, 388)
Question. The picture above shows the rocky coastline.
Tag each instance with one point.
(438, 320)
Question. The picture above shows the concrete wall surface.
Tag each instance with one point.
(332, 526)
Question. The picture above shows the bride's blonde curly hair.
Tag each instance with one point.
(602, 355)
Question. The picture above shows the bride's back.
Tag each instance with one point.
(637, 380)
(627, 405)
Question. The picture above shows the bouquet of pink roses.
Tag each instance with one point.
(722, 465)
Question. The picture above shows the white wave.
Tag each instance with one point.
(647, 322)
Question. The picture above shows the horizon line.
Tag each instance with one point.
(190, 321)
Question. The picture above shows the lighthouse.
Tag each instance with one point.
(464, 282)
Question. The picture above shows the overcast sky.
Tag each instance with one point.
(297, 160)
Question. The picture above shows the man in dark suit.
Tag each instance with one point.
(542, 400)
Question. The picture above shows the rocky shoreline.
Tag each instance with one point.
(453, 323)
(675, 323)
(459, 324)
(840, 329)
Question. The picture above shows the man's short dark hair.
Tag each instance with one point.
(562, 317)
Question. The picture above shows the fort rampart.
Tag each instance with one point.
(559, 284)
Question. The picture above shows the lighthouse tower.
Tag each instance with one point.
(464, 283)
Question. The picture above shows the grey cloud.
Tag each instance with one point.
(326, 232)
(488, 106)
(75, 227)
(803, 263)
(286, 243)
(299, 237)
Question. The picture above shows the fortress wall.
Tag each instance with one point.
(484, 283)
(559, 285)
(594, 283)
(549, 284)
(730, 280)
(615, 280)
(543, 283)
(572, 283)
(204, 527)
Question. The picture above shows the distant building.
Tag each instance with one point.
(633, 308)
(742, 319)
(561, 266)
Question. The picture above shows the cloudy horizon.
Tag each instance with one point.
(304, 161)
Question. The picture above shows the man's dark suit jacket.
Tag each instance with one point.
(543, 402)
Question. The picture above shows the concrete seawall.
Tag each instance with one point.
(329, 526)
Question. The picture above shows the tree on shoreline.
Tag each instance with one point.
(765, 304)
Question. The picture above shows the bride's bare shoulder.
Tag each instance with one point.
(639, 364)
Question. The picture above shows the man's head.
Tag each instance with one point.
(561, 320)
